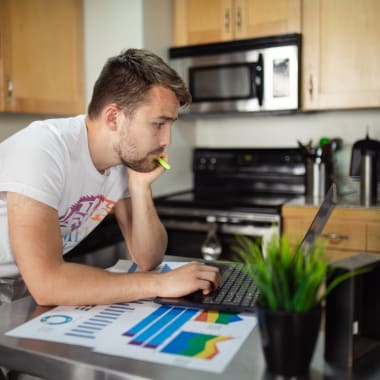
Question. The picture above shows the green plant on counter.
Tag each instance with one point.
(287, 278)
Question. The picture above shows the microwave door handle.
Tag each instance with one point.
(259, 78)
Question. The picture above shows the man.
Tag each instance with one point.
(59, 178)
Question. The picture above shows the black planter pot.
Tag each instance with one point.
(288, 340)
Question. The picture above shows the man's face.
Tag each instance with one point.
(144, 135)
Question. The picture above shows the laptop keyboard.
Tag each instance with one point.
(236, 289)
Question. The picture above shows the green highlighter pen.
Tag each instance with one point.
(163, 163)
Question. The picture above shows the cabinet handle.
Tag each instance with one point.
(238, 19)
(335, 238)
(227, 20)
(9, 88)
(311, 87)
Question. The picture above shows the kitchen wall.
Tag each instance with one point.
(113, 25)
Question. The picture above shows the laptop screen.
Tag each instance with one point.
(320, 219)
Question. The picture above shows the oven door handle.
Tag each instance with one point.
(231, 229)
(187, 226)
(249, 230)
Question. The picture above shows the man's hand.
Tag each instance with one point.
(138, 180)
(188, 279)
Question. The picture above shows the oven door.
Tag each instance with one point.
(211, 235)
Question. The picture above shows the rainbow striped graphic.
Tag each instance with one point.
(195, 345)
(213, 316)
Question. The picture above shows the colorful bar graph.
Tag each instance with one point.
(147, 321)
(157, 326)
(171, 328)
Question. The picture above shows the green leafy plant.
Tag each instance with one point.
(287, 278)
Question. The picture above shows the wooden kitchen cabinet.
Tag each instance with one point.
(41, 56)
(199, 21)
(348, 231)
(341, 54)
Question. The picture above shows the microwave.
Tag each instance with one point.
(250, 75)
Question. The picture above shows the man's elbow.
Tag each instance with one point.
(149, 264)
(43, 296)
(44, 299)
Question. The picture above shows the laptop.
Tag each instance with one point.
(238, 292)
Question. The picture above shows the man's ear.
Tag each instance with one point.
(110, 116)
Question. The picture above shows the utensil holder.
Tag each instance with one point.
(368, 179)
(317, 179)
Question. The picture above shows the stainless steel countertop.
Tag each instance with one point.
(344, 201)
(58, 361)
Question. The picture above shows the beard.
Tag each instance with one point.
(143, 165)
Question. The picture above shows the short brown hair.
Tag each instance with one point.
(126, 78)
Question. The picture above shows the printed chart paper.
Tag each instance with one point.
(185, 337)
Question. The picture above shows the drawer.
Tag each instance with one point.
(373, 237)
(338, 235)
(345, 235)
(348, 229)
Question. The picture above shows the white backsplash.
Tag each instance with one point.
(285, 130)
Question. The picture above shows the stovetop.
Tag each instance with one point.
(246, 203)
(250, 180)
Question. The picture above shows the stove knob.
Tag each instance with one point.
(202, 163)
(212, 163)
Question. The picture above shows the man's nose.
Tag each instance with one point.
(166, 136)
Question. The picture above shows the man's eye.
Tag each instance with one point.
(159, 125)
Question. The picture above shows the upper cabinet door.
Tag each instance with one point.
(341, 54)
(257, 18)
(199, 21)
(41, 56)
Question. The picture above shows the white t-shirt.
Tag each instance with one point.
(50, 162)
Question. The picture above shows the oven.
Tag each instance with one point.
(235, 192)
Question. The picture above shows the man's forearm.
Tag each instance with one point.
(148, 237)
(76, 284)
(148, 240)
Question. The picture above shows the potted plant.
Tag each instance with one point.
(291, 286)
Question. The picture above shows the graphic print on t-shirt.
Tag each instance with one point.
(82, 217)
